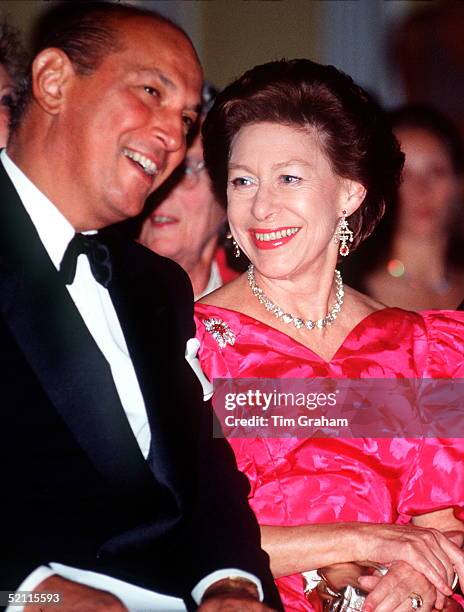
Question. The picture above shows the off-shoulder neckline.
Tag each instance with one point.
(341, 347)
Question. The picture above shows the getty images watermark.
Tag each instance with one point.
(263, 407)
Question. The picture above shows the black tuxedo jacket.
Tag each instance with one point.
(75, 487)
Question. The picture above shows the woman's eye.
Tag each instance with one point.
(152, 91)
(241, 181)
(289, 179)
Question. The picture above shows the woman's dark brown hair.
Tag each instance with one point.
(300, 93)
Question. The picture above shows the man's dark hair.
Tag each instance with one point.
(85, 31)
(13, 57)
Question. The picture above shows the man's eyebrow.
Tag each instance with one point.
(158, 74)
(154, 72)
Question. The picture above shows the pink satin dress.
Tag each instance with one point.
(315, 480)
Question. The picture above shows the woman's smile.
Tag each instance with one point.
(272, 238)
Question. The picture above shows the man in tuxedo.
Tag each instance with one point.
(114, 491)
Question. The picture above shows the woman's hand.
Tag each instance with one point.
(305, 547)
(392, 591)
(426, 550)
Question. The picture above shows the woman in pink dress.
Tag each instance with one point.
(307, 164)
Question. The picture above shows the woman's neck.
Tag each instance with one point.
(308, 295)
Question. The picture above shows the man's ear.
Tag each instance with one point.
(354, 194)
(51, 72)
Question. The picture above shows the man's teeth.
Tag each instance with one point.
(277, 235)
(150, 167)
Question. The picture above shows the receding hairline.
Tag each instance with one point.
(88, 34)
(115, 22)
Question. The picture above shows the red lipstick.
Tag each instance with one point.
(273, 243)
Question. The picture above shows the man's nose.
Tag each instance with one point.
(168, 128)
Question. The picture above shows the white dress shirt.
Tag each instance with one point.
(97, 311)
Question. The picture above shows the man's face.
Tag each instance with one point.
(124, 126)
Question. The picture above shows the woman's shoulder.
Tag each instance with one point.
(216, 316)
(227, 303)
(440, 327)
(227, 296)
(444, 326)
(386, 328)
(434, 337)
(226, 335)
(445, 333)
(385, 317)
(443, 318)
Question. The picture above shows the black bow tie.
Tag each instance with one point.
(97, 253)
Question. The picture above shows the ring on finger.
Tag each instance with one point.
(416, 601)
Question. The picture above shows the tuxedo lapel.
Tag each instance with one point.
(147, 291)
(73, 372)
(144, 316)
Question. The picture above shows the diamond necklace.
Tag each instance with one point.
(286, 317)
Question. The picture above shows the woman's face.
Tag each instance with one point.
(429, 184)
(188, 217)
(284, 200)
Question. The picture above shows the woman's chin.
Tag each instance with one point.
(275, 272)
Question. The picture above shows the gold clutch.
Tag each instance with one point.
(338, 585)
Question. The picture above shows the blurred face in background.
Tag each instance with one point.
(189, 217)
(429, 187)
(6, 89)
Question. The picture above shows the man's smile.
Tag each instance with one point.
(147, 165)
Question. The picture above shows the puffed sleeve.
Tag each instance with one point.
(445, 331)
(436, 479)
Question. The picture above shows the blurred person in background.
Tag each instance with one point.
(12, 67)
(415, 259)
(187, 222)
(427, 49)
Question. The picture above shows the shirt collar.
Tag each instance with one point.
(54, 229)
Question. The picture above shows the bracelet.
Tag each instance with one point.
(233, 586)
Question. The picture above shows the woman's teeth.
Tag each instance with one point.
(150, 167)
(277, 235)
(162, 219)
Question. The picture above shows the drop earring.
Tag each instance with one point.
(344, 235)
(237, 252)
